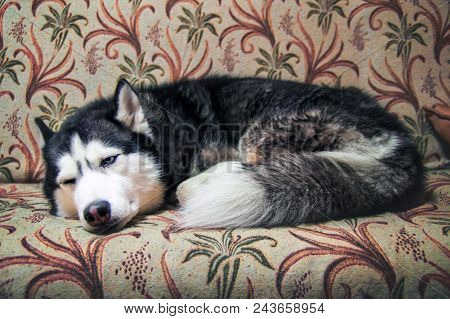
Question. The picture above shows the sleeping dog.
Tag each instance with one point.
(238, 152)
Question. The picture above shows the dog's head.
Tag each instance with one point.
(101, 165)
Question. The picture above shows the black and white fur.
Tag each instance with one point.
(287, 153)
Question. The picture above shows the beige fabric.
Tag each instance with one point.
(58, 55)
(385, 256)
(396, 50)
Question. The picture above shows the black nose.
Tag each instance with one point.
(97, 213)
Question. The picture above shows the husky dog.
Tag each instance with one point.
(287, 153)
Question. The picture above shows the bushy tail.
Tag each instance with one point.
(301, 188)
(226, 195)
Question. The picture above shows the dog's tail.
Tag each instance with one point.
(300, 188)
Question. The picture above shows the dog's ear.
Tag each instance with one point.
(129, 109)
(46, 132)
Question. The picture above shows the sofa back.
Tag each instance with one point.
(57, 55)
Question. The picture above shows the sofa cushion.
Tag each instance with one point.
(386, 256)
(47, 72)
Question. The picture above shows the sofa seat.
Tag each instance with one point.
(56, 56)
(402, 255)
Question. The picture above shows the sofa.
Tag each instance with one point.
(56, 55)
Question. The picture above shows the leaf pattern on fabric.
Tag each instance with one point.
(56, 55)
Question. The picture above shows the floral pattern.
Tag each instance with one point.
(386, 256)
(53, 52)
(52, 55)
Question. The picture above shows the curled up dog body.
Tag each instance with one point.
(238, 152)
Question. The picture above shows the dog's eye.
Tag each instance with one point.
(70, 181)
(108, 161)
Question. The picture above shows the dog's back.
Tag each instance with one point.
(306, 153)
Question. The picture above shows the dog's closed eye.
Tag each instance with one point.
(108, 161)
(69, 181)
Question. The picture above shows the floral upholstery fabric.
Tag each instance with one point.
(56, 55)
